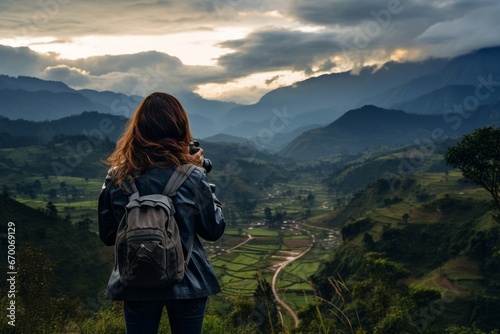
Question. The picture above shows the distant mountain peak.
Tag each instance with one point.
(367, 115)
(33, 84)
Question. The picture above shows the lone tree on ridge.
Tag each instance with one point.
(477, 156)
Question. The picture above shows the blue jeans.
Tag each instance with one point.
(185, 315)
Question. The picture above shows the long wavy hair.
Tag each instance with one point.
(156, 135)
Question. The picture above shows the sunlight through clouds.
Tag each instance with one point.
(193, 48)
(249, 89)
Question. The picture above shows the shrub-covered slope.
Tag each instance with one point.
(440, 229)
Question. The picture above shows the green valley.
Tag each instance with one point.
(325, 222)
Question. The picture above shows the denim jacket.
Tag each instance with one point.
(198, 214)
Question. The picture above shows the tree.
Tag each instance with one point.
(310, 199)
(244, 205)
(5, 191)
(368, 241)
(51, 210)
(268, 214)
(267, 316)
(242, 314)
(380, 292)
(466, 330)
(84, 224)
(279, 216)
(52, 193)
(37, 185)
(477, 156)
(36, 275)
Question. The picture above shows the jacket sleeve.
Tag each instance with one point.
(107, 222)
(210, 223)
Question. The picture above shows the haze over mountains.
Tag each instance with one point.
(325, 115)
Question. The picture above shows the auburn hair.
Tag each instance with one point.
(156, 135)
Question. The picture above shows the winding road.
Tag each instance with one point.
(275, 278)
(283, 265)
(240, 244)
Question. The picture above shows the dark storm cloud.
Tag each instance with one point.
(273, 79)
(340, 12)
(69, 75)
(277, 49)
(131, 74)
(77, 18)
(373, 30)
(351, 13)
(69, 18)
(22, 61)
(393, 24)
(99, 65)
(160, 65)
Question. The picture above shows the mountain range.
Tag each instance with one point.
(370, 127)
(34, 99)
(327, 97)
(329, 114)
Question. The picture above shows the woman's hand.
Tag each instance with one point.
(199, 157)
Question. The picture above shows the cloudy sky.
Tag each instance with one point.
(233, 50)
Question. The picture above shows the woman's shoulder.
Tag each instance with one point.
(193, 170)
(195, 174)
(197, 171)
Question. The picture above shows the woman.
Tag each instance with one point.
(156, 142)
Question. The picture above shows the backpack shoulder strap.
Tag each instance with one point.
(190, 251)
(175, 181)
(130, 187)
(178, 178)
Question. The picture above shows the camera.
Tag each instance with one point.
(194, 147)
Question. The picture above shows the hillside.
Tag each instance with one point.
(82, 261)
(44, 105)
(93, 125)
(440, 229)
(371, 127)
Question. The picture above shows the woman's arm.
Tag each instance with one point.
(107, 222)
(210, 222)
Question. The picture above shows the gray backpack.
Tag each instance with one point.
(148, 249)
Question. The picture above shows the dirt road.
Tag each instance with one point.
(275, 278)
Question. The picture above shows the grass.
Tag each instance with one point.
(460, 276)
(459, 282)
(75, 196)
(298, 298)
(261, 232)
(290, 197)
(237, 269)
